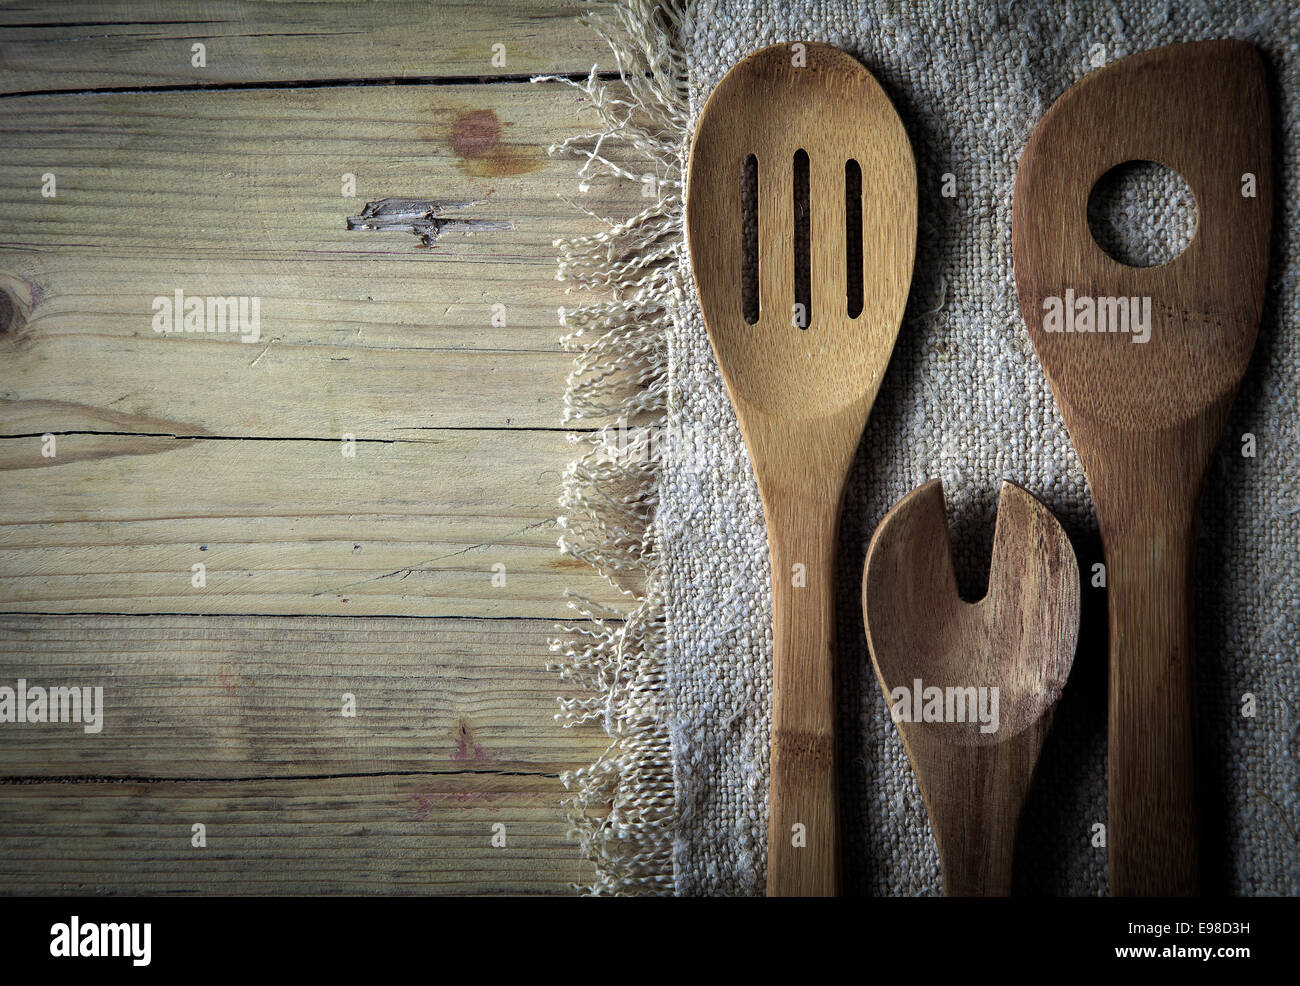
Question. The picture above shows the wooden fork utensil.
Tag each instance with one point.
(972, 686)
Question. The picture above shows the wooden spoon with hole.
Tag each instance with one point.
(1018, 640)
(1146, 416)
(802, 395)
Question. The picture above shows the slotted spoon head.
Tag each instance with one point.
(780, 100)
(802, 387)
(1202, 110)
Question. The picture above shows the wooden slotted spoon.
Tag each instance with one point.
(802, 395)
(1019, 639)
(1145, 417)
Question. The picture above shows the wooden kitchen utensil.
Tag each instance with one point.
(999, 666)
(802, 116)
(1146, 416)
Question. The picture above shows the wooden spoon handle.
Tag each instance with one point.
(1152, 815)
(977, 807)
(1146, 489)
(803, 856)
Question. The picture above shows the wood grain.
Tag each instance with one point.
(365, 334)
(1019, 640)
(1145, 418)
(361, 332)
(405, 834)
(136, 43)
(115, 524)
(214, 698)
(802, 395)
(207, 721)
(178, 450)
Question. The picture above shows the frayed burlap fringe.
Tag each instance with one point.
(621, 807)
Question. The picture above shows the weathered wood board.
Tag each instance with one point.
(370, 485)
(89, 44)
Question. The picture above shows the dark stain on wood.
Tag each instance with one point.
(8, 313)
(476, 134)
(475, 139)
(465, 743)
(18, 297)
(423, 217)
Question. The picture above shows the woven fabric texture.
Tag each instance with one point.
(965, 401)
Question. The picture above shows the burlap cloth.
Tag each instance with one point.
(964, 400)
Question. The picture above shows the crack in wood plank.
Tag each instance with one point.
(421, 217)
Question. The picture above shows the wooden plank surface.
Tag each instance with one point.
(360, 332)
(184, 449)
(237, 724)
(204, 720)
(212, 698)
(115, 524)
(95, 44)
(369, 835)
(364, 334)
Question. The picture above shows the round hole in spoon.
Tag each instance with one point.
(1142, 214)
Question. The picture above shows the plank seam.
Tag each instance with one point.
(285, 616)
(295, 438)
(27, 780)
(339, 83)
